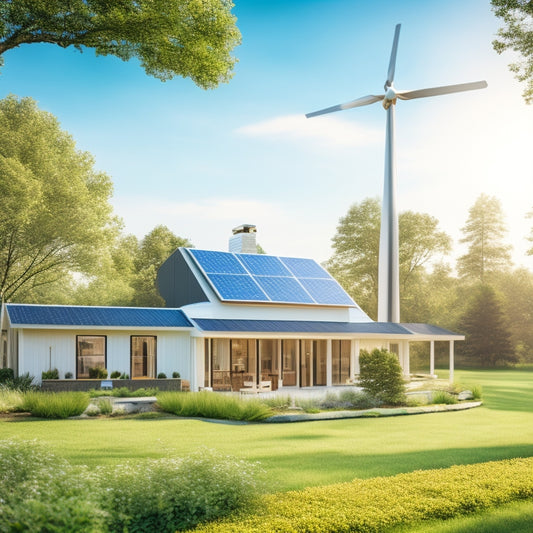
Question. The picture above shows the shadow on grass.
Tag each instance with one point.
(317, 469)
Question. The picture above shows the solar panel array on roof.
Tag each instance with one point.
(266, 278)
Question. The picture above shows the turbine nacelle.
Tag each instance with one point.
(389, 98)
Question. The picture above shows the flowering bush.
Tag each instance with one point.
(377, 504)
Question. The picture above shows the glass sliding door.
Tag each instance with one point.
(288, 358)
(220, 364)
(306, 357)
(243, 362)
(340, 360)
(320, 362)
(143, 356)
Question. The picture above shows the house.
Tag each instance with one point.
(234, 320)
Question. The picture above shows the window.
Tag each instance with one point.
(91, 354)
(340, 359)
(143, 356)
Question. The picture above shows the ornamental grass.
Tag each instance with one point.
(377, 504)
(55, 404)
(211, 405)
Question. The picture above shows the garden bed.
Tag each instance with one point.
(61, 385)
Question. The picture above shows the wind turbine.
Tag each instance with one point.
(389, 269)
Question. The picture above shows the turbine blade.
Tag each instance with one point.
(446, 89)
(359, 102)
(392, 62)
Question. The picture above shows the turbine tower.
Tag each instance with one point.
(389, 269)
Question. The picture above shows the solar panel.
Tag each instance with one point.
(326, 291)
(237, 287)
(266, 278)
(304, 268)
(286, 290)
(217, 262)
(263, 265)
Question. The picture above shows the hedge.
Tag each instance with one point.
(377, 504)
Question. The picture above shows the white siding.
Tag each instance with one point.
(40, 350)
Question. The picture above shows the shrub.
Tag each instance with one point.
(212, 405)
(68, 375)
(381, 376)
(6, 374)
(115, 374)
(279, 402)
(309, 405)
(53, 373)
(43, 493)
(175, 494)
(21, 383)
(55, 404)
(97, 373)
(161, 375)
(176, 375)
(124, 376)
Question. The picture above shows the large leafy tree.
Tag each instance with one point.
(189, 38)
(356, 251)
(55, 215)
(154, 249)
(517, 35)
(484, 233)
(487, 337)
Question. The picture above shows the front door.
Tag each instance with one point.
(143, 356)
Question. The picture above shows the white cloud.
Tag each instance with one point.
(332, 131)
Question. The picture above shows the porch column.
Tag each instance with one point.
(356, 348)
(329, 363)
(298, 355)
(405, 353)
(451, 360)
(279, 362)
(432, 358)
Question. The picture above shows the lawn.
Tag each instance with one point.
(315, 453)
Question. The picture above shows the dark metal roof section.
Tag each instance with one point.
(50, 315)
(177, 284)
(298, 326)
(428, 329)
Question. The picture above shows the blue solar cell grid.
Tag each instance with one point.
(237, 287)
(217, 262)
(304, 268)
(263, 278)
(286, 290)
(326, 291)
(263, 265)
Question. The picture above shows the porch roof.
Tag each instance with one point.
(298, 326)
(66, 315)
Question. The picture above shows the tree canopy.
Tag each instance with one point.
(189, 38)
(356, 250)
(487, 338)
(483, 233)
(517, 35)
(55, 214)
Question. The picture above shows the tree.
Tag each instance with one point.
(517, 35)
(356, 246)
(487, 335)
(153, 250)
(189, 38)
(55, 215)
(484, 232)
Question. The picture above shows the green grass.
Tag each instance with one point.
(55, 404)
(315, 453)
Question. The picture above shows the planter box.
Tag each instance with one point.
(58, 385)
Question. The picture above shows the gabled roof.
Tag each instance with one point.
(298, 326)
(58, 315)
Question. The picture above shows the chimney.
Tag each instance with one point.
(243, 240)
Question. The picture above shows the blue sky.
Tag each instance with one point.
(202, 162)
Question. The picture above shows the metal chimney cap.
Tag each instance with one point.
(244, 228)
